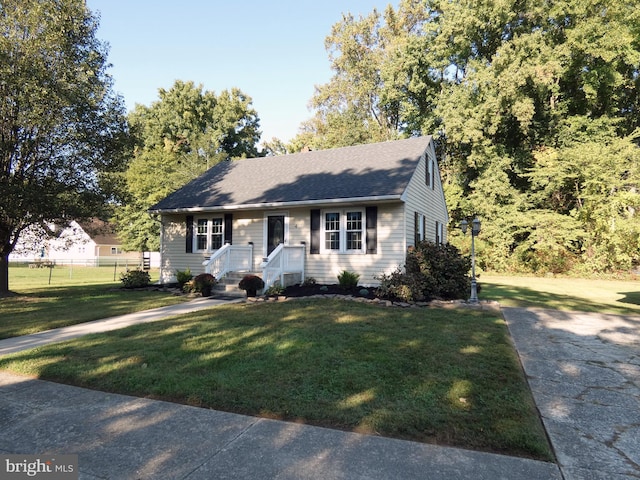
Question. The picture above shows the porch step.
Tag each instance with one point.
(228, 285)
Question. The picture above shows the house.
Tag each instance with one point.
(91, 243)
(311, 214)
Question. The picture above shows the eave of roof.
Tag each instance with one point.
(272, 205)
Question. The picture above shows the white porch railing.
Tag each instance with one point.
(230, 258)
(283, 260)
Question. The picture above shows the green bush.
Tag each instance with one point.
(183, 276)
(348, 279)
(431, 271)
(135, 279)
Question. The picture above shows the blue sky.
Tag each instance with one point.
(272, 50)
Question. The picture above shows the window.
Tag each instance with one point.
(332, 231)
(354, 230)
(420, 227)
(216, 233)
(202, 234)
(439, 233)
(430, 180)
(114, 251)
(344, 231)
(209, 234)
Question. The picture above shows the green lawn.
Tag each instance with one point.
(76, 295)
(433, 375)
(588, 295)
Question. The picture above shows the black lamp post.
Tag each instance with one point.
(475, 231)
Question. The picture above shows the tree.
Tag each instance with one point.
(369, 98)
(62, 130)
(534, 106)
(177, 138)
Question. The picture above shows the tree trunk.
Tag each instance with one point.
(4, 275)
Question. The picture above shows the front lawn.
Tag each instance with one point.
(75, 295)
(446, 376)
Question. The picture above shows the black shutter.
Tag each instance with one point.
(372, 229)
(315, 232)
(416, 233)
(189, 241)
(228, 228)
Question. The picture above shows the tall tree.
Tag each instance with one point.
(518, 94)
(61, 127)
(178, 137)
(369, 97)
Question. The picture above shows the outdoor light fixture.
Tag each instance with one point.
(475, 231)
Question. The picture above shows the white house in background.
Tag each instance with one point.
(93, 243)
(311, 214)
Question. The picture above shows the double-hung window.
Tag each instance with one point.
(343, 231)
(209, 234)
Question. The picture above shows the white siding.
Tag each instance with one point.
(425, 200)
(249, 226)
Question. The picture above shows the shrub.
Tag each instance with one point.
(135, 279)
(251, 283)
(203, 283)
(348, 279)
(275, 290)
(431, 271)
(309, 282)
(396, 286)
(183, 277)
(441, 270)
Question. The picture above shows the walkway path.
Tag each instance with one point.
(17, 344)
(584, 372)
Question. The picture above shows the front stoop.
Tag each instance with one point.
(228, 285)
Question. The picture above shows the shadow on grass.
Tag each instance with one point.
(431, 375)
(55, 307)
(632, 298)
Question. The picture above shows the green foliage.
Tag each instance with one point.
(431, 271)
(348, 279)
(309, 281)
(535, 109)
(183, 276)
(63, 129)
(275, 290)
(135, 279)
(177, 138)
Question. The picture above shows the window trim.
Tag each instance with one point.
(209, 233)
(342, 231)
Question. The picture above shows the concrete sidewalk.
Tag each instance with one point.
(584, 373)
(26, 342)
(128, 438)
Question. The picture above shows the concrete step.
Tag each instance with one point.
(228, 285)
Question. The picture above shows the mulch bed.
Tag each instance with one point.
(335, 289)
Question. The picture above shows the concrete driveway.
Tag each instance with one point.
(584, 372)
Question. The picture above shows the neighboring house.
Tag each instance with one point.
(311, 214)
(91, 244)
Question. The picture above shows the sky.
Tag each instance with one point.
(271, 50)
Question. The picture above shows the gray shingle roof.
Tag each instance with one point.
(377, 170)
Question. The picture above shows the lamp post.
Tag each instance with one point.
(475, 231)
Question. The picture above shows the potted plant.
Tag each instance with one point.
(204, 283)
(251, 283)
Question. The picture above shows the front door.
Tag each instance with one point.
(275, 232)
